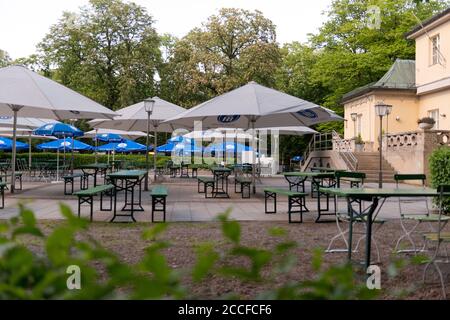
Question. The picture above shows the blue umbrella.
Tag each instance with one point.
(108, 137)
(6, 144)
(67, 144)
(58, 129)
(228, 147)
(124, 146)
(63, 144)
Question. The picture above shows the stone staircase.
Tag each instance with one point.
(369, 163)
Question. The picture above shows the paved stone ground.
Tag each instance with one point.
(184, 203)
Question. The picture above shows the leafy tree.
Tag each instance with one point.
(230, 49)
(5, 59)
(108, 51)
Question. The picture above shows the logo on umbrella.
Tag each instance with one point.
(308, 114)
(122, 145)
(229, 146)
(2, 142)
(228, 118)
(104, 135)
(65, 143)
(48, 127)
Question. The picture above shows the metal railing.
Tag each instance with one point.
(346, 153)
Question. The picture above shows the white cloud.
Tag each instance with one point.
(23, 23)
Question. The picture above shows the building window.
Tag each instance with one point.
(435, 115)
(359, 123)
(435, 50)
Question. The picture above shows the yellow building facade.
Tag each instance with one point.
(415, 89)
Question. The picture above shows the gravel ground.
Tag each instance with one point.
(125, 240)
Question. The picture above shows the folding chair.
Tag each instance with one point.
(356, 180)
(410, 222)
(439, 238)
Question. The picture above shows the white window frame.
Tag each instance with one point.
(435, 50)
(434, 113)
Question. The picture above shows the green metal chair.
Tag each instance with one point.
(439, 238)
(411, 222)
(355, 180)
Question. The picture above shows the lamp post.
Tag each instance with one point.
(149, 104)
(381, 110)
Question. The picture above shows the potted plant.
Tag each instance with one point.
(359, 143)
(426, 123)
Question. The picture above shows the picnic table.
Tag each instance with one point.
(318, 180)
(377, 198)
(93, 169)
(128, 180)
(220, 175)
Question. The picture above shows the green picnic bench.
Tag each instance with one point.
(354, 178)
(245, 184)
(204, 183)
(296, 201)
(159, 195)
(87, 196)
(70, 178)
(2, 191)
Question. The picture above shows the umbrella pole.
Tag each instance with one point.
(57, 164)
(154, 152)
(253, 157)
(96, 145)
(29, 154)
(73, 147)
(13, 160)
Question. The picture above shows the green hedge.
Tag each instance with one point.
(80, 158)
(440, 170)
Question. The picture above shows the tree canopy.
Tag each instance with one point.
(5, 59)
(230, 49)
(108, 51)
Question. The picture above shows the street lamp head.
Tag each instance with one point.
(149, 104)
(381, 109)
(354, 116)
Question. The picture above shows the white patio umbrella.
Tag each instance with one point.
(27, 94)
(23, 123)
(254, 106)
(135, 117)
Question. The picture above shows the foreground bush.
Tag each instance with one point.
(25, 274)
(440, 171)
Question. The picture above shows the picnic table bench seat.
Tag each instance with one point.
(245, 184)
(203, 183)
(296, 201)
(87, 196)
(159, 195)
(70, 178)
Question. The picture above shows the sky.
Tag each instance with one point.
(23, 23)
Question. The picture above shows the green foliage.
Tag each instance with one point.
(88, 158)
(352, 54)
(31, 274)
(5, 59)
(108, 51)
(230, 49)
(439, 162)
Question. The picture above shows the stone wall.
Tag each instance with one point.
(408, 152)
